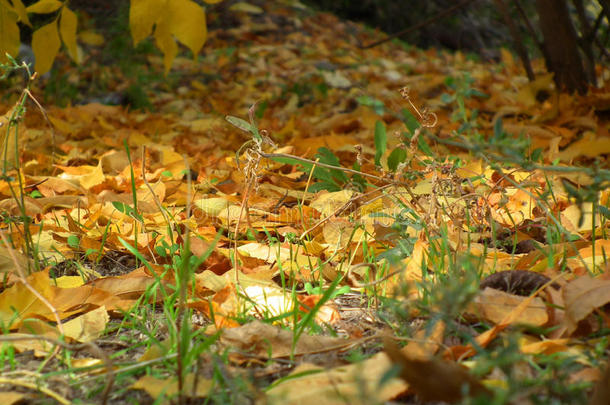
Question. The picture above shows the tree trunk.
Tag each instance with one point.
(561, 46)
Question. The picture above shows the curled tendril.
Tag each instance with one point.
(427, 119)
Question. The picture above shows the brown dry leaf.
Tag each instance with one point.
(40, 347)
(338, 233)
(601, 393)
(7, 260)
(590, 145)
(357, 383)
(494, 305)
(583, 296)
(156, 387)
(328, 203)
(261, 339)
(425, 343)
(84, 176)
(18, 302)
(486, 337)
(128, 286)
(434, 379)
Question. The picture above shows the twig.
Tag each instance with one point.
(517, 41)
(417, 26)
(36, 387)
(528, 24)
(95, 350)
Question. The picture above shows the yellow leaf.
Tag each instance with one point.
(156, 387)
(212, 1)
(87, 327)
(44, 6)
(21, 12)
(143, 14)
(187, 23)
(246, 8)
(166, 43)
(45, 44)
(67, 28)
(91, 38)
(9, 31)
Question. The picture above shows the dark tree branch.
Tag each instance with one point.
(528, 24)
(517, 40)
(415, 27)
(586, 40)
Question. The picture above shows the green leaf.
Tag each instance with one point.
(380, 142)
(424, 147)
(327, 156)
(409, 120)
(498, 128)
(243, 125)
(73, 241)
(397, 157)
(375, 104)
(127, 210)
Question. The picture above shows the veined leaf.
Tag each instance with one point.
(244, 126)
(45, 44)
(380, 142)
(397, 156)
(239, 123)
(409, 120)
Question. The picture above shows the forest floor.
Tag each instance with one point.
(291, 218)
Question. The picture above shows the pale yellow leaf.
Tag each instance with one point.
(494, 305)
(88, 326)
(582, 296)
(329, 203)
(358, 383)
(44, 6)
(45, 44)
(246, 8)
(156, 387)
(11, 397)
(91, 38)
(67, 28)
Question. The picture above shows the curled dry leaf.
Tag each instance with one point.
(583, 296)
(433, 379)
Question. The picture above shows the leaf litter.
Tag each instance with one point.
(402, 231)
